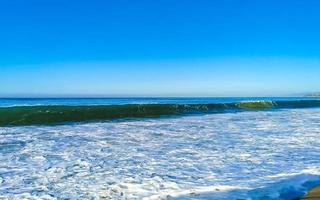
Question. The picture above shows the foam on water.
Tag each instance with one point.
(247, 155)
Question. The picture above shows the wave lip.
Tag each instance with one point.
(51, 115)
(256, 104)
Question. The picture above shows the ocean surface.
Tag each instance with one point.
(159, 148)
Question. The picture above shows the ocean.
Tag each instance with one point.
(159, 148)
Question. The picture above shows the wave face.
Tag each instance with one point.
(56, 114)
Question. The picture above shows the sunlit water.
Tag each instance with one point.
(248, 155)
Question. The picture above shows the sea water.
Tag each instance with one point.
(271, 154)
(9, 102)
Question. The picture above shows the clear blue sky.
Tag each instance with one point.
(159, 48)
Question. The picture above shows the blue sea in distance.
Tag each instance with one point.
(120, 101)
(254, 155)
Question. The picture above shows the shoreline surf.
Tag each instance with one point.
(259, 154)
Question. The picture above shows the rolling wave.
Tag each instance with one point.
(50, 115)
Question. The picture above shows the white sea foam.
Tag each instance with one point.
(249, 155)
(190, 192)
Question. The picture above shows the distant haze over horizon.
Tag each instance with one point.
(165, 48)
(31, 96)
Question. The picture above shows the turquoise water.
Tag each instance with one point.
(253, 154)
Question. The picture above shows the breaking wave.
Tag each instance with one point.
(59, 114)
